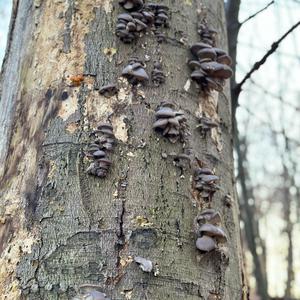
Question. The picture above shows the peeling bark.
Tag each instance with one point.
(62, 228)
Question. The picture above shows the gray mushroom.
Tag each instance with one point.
(169, 123)
(145, 264)
(135, 73)
(108, 90)
(131, 4)
(205, 243)
(213, 231)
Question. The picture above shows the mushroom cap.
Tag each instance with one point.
(209, 53)
(198, 75)
(198, 46)
(103, 125)
(126, 17)
(225, 72)
(165, 112)
(220, 51)
(109, 88)
(205, 243)
(213, 231)
(224, 59)
(160, 123)
(99, 154)
(145, 264)
(208, 178)
(209, 215)
(194, 64)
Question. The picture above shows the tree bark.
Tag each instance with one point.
(60, 227)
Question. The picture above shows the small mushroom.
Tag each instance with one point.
(145, 264)
(108, 90)
(131, 4)
(87, 292)
(213, 231)
(135, 73)
(206, 124)
(205, 243)
(157, 75)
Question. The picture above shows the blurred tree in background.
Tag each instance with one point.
(267, 140)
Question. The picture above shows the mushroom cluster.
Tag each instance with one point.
(139, 18)
(131, 4)
(205, 183)
(206, 124)
(211, 65)
(161, 13)
(207, 226)
(135, 72)
(169, 122)
(130, 25)
(157, 75)
(98, 151)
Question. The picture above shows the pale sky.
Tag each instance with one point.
(5, 9)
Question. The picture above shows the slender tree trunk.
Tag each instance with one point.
(251, 230)
(60, 227)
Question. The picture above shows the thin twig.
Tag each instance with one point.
(259, 63)
(258, 12)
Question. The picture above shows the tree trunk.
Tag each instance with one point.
(60, 227)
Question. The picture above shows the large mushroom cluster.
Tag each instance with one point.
(131, 24)
(169, 122)
(205, 182)
(207, 226)
(210, 65)
(98, 151)
(138, 18)
(135, 72)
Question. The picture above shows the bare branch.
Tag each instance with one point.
(259, 63)
(257, 13)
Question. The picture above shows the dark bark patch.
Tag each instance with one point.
(6, 231)
(144, 238)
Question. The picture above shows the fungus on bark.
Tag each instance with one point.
(205, 182)
(98, 150)
(208, 230)
(158, 77)
(131, 4)
(210, 66)
(135, 72)
(206, 124)
(145, 264)
(169, 122)
(108, 90)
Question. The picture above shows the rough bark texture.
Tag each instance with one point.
(60, 227)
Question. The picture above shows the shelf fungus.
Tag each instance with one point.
(210, 65)
(139, 18)
(169, 122)
(158, 77)
(206, 124)
(207, 226)
(108, 90)
(135, 72)
(98, 151)
(130, 25)
(88, 293)
(205, 182)
(145, 264)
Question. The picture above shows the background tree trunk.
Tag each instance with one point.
(60, 227)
